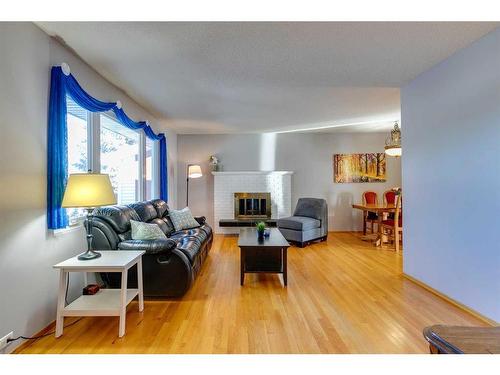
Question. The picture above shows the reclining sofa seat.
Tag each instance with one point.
(170, 265)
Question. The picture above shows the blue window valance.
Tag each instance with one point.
(62, 84)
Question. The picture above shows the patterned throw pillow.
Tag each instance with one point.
(183, 219)
(145, 231)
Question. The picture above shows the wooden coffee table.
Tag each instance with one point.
(262, 256)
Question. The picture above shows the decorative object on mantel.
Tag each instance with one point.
(193, 171)
(88, 190)
(359, 167)
(214, 163)
(393, 142)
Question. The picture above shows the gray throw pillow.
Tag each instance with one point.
(183, 219)
(145, 231)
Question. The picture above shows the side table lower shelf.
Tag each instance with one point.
(105, 303)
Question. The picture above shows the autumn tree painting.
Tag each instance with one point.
(359, 167)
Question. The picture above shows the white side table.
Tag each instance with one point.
(106, 302)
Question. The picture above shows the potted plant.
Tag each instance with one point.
(261, 227)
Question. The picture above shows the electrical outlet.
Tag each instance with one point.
(3, 340)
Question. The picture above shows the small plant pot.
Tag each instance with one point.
(260, 235)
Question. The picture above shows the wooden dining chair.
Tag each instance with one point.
(393, 228)
(369, 197)
(389, 198)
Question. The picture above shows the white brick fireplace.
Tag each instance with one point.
(278, 183)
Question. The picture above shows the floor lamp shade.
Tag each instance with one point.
(88, 190)
(194, 171)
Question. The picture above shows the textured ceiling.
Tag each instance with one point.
(238, 77)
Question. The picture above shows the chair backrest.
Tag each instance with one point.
(370, 197)
(389, 197)
(312, 207)
(398, 215)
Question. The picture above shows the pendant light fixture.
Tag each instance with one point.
(393, 142)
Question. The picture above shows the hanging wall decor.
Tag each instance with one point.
(369, 167)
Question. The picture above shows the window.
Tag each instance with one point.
(151, 169)
(78, 153)
(120, 158)
(98, 142)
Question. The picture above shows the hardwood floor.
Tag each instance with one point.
(343, 296)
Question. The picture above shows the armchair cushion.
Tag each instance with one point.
(300, 223)
(149, 246)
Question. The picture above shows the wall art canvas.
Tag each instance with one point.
(359, 167)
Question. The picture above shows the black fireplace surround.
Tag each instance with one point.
(171, 265)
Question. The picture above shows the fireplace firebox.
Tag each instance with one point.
(252, 205)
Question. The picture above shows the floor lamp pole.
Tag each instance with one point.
(187, 186)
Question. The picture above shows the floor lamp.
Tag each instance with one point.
(193, 171)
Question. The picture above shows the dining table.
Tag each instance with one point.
(380, 210)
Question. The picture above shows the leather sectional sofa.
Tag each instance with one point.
(169, 266)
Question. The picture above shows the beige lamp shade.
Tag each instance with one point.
(88, 190)
(194, 171)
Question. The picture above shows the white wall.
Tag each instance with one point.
(309, 155)
(27, 249)
(451, 176)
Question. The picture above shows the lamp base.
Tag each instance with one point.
(88, 255)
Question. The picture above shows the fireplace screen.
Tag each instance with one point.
(252, 205)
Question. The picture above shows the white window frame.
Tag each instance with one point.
(78, 220)
(94, 155)
(155, 187)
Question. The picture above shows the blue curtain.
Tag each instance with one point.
(57, 175)
(57, 163)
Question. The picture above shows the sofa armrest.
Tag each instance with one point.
(200, 219)
(155, 247)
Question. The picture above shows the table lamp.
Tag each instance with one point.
(88, 190)
(193, 171)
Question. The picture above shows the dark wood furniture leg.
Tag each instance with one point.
(242, 266)
(285, 268)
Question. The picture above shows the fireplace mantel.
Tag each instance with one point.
(226, 183)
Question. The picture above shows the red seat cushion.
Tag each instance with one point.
(390, 222)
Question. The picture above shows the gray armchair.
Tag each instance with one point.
(308, 223)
